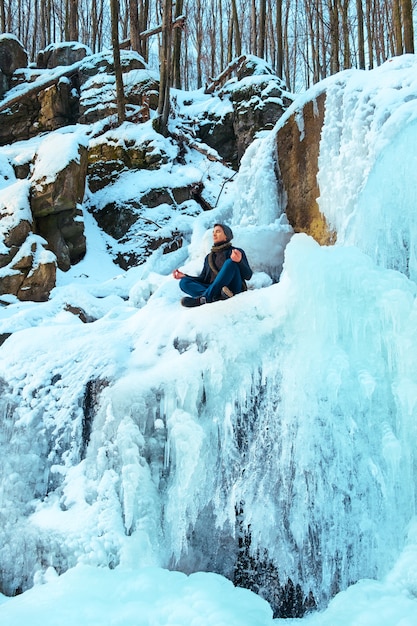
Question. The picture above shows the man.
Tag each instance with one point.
(224, 272)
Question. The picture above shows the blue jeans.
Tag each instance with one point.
(229, 276)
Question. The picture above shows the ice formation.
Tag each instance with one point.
(270, 438)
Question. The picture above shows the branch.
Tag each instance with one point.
(179, 22)
(225, 74)
(208, 152)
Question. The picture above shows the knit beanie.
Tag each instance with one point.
(227, 231)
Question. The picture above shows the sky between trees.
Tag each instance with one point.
(303, 40)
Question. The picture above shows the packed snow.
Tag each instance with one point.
(295, 401)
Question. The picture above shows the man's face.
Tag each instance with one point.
(218, 235)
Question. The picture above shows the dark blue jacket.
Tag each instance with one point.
(206, 277)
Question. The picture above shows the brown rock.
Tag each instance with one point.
(64, 192)
(298, 151)
(37, 285)
(65, 53)
(12, 54)
(58, 106)
(18, 234)
(54, 205)
(11, 282)
(65, 236)
(80, 313)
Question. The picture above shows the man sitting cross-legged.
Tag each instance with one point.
(223, 275)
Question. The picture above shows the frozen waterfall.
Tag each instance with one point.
(270, 438)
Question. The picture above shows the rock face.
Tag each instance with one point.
(72, 97)
(96, 74)
(255, 104)
(298, 143)
(251, 98)
(40, 110)
(41, 225)
(27, 269)
(65, 53)
(55, 206)
(12, 57)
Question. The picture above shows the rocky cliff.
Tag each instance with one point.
(70, 88)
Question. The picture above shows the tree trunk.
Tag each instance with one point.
(143, 25)
(2, 16)
(407, 14)
(176, 51)
(230, 41)
(134, 25)
(165, 65)
(262, 29)
(397, 27)
(94, 26)
(120, 96)
(370, 33)
(361, 38)
(280, 47)
(236, 30)
(221, 37)
(72, 21)
(253, 28)
(334, 36)
(344, 4)
(199, 43)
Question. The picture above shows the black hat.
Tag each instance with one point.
(227, 231)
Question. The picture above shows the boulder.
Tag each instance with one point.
(107, 157)
(59, 105)
(4, 84)
(98, 87)
(298, 144)
(65, 53)
(64, 232)
(12, 54)
(38, 283)
(257, 100)
(64, 191)
(40, 110)
(55, 199)
(31, 274)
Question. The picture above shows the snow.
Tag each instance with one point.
(56, 151)
(14, 207)
(295, 400)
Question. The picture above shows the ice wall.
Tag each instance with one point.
(266, 438)
(368, 161)
(271, 437)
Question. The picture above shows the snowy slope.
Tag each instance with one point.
(133, 441)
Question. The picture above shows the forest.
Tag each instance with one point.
(304, 41)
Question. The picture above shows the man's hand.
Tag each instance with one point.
(178, 274)
(236, 255)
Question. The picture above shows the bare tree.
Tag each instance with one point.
(334, 35)
(143, 25)
(253, 28)
(279, 38)
(344, 10)
(2, 16)
(161, 123)
(71, 30)
(134, 25)
(120, 96)
(407, 15)
(361, 38)
(262, 29)
(236, 29)
(176, 52)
